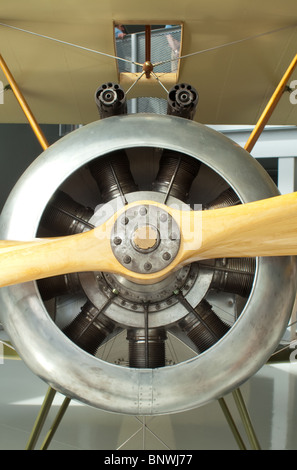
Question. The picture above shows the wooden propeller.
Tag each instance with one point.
(262, 228)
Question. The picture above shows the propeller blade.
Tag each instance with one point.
(41, 258)
(262, 228)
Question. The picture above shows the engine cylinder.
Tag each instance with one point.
(176, 174)
(205, 328)
(225, 199)
(89, 328)
(113, 176)
(234, 275)
(64, 216)
(146, 351)
(58, 285)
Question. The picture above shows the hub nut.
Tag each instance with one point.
(146, 244)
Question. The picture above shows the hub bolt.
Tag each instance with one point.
(143, 211)
(117, 240)
(147, 266)
(124, 220)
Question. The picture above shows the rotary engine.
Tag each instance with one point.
(144, 348)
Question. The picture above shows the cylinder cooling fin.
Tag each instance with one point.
(128, 347)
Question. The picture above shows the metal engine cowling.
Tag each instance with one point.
(80, 165)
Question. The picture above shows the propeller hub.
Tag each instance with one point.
(145, 239)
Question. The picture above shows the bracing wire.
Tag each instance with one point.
(69, 44)
(134, 83)
(159, 81)
(231, 43)
(227, 44)
(86, 49)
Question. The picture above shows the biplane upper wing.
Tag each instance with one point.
(234, 81)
